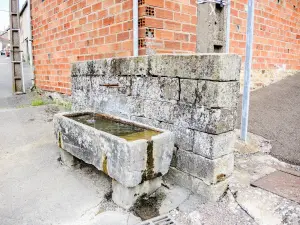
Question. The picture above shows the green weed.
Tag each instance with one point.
(37, 102)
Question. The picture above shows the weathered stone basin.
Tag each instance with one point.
(134, 155)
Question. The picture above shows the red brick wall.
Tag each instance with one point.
(66, 31)
(167, 26)
(276, 33)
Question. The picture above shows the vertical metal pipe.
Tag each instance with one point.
(22, 68)
(248, 65)
(30, 32)
(30, 43)
(228, 27)
(135, 27)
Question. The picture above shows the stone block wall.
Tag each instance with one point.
(194, 96)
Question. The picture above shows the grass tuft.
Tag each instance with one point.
(37, 102)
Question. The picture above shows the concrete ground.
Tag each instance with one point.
(6, 77)
(275, 115)
(35, 188)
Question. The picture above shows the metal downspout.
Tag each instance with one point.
(248, 66)
(228, 27)
(135, 28)
(30, 45)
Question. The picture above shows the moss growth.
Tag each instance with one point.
(59, 140)
(138, 59)
(22, 106)
(65, 104)
(147, 207)
(91, 68)
(149, 173)
(104, 165)
(37, 102)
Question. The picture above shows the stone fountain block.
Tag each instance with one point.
(130, 163)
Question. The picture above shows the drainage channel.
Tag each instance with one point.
(160, 220)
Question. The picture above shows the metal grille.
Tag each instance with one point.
(160, 220)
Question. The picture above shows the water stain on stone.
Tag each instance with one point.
(146, 134)
(149, 173)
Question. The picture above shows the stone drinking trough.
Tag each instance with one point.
(134, 155)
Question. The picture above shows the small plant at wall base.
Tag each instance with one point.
(37, 102)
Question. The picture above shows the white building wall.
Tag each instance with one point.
(25, 34)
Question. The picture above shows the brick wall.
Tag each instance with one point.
(66, 31)
(276, 50)
(76, 30)
(167, 26)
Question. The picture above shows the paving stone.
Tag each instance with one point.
(175, 195)
(114, 218)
